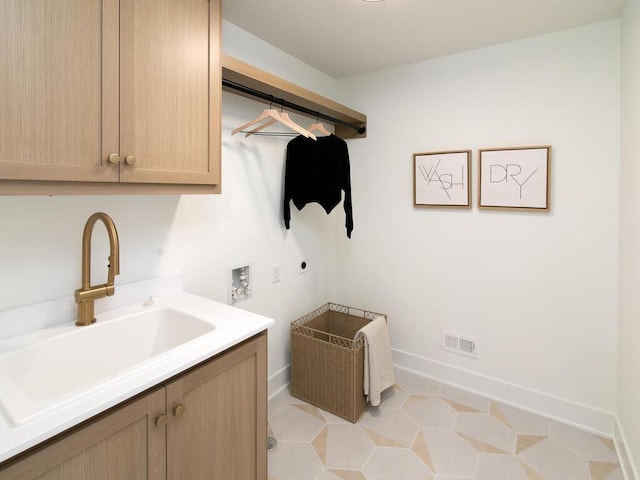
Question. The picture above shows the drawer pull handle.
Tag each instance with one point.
(178, 410)
(161, 420)
(114, 158)
(130, 160)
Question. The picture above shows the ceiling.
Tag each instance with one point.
(347, 37)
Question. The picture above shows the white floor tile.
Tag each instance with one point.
(554, 461)
(292, 424)
(432, 412)
(424, 431)
(391, 424)
(522, 422)
(395, 464)
(465, 399)
(415, 384)
(494, 467)
(348, 447)
(450, 454)
(294, 461)
(327, 475)
(393, 397)
(586, 444)
(486, 429)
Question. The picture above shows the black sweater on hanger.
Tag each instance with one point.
(317, 171)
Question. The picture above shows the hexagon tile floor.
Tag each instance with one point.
(424, 430)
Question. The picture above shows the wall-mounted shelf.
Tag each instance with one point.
(246, 80)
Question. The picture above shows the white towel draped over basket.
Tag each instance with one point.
(378, 365)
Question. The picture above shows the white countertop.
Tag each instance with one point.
(232, 326)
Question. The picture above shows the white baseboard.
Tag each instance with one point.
(278, 381)
(543, 404)
(626, 461)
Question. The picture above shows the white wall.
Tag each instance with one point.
(244, 46)
(538, 290)
(629, 324)
(198, 235)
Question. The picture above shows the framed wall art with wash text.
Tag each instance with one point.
(514, 178)
(442, 179)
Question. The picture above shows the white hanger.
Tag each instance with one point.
(294, 126)
(261, 127)
(285, 120)
(319, 127)
(272, 116)
(266, 113)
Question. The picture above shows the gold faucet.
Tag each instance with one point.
(86, 295)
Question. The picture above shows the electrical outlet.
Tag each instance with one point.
(275, 274)
(303, 265)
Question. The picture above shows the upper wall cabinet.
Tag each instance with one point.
(124, 93)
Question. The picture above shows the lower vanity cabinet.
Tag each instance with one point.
(124, 444)
(208, 423)
(218, 417)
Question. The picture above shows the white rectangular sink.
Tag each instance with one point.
(54, 375)
(43, 375)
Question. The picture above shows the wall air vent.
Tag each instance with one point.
(460, 344)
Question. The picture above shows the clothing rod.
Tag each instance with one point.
(293, 106)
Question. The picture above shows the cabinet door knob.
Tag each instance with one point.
(114, 158)
(178, 410)
(130, 160)
(161, 420)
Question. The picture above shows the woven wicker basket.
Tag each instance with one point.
(327, 364)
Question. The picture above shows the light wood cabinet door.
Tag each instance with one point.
(81, 80)
(218, 419)
(123, 445)
(55, 123)
(170, 87)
